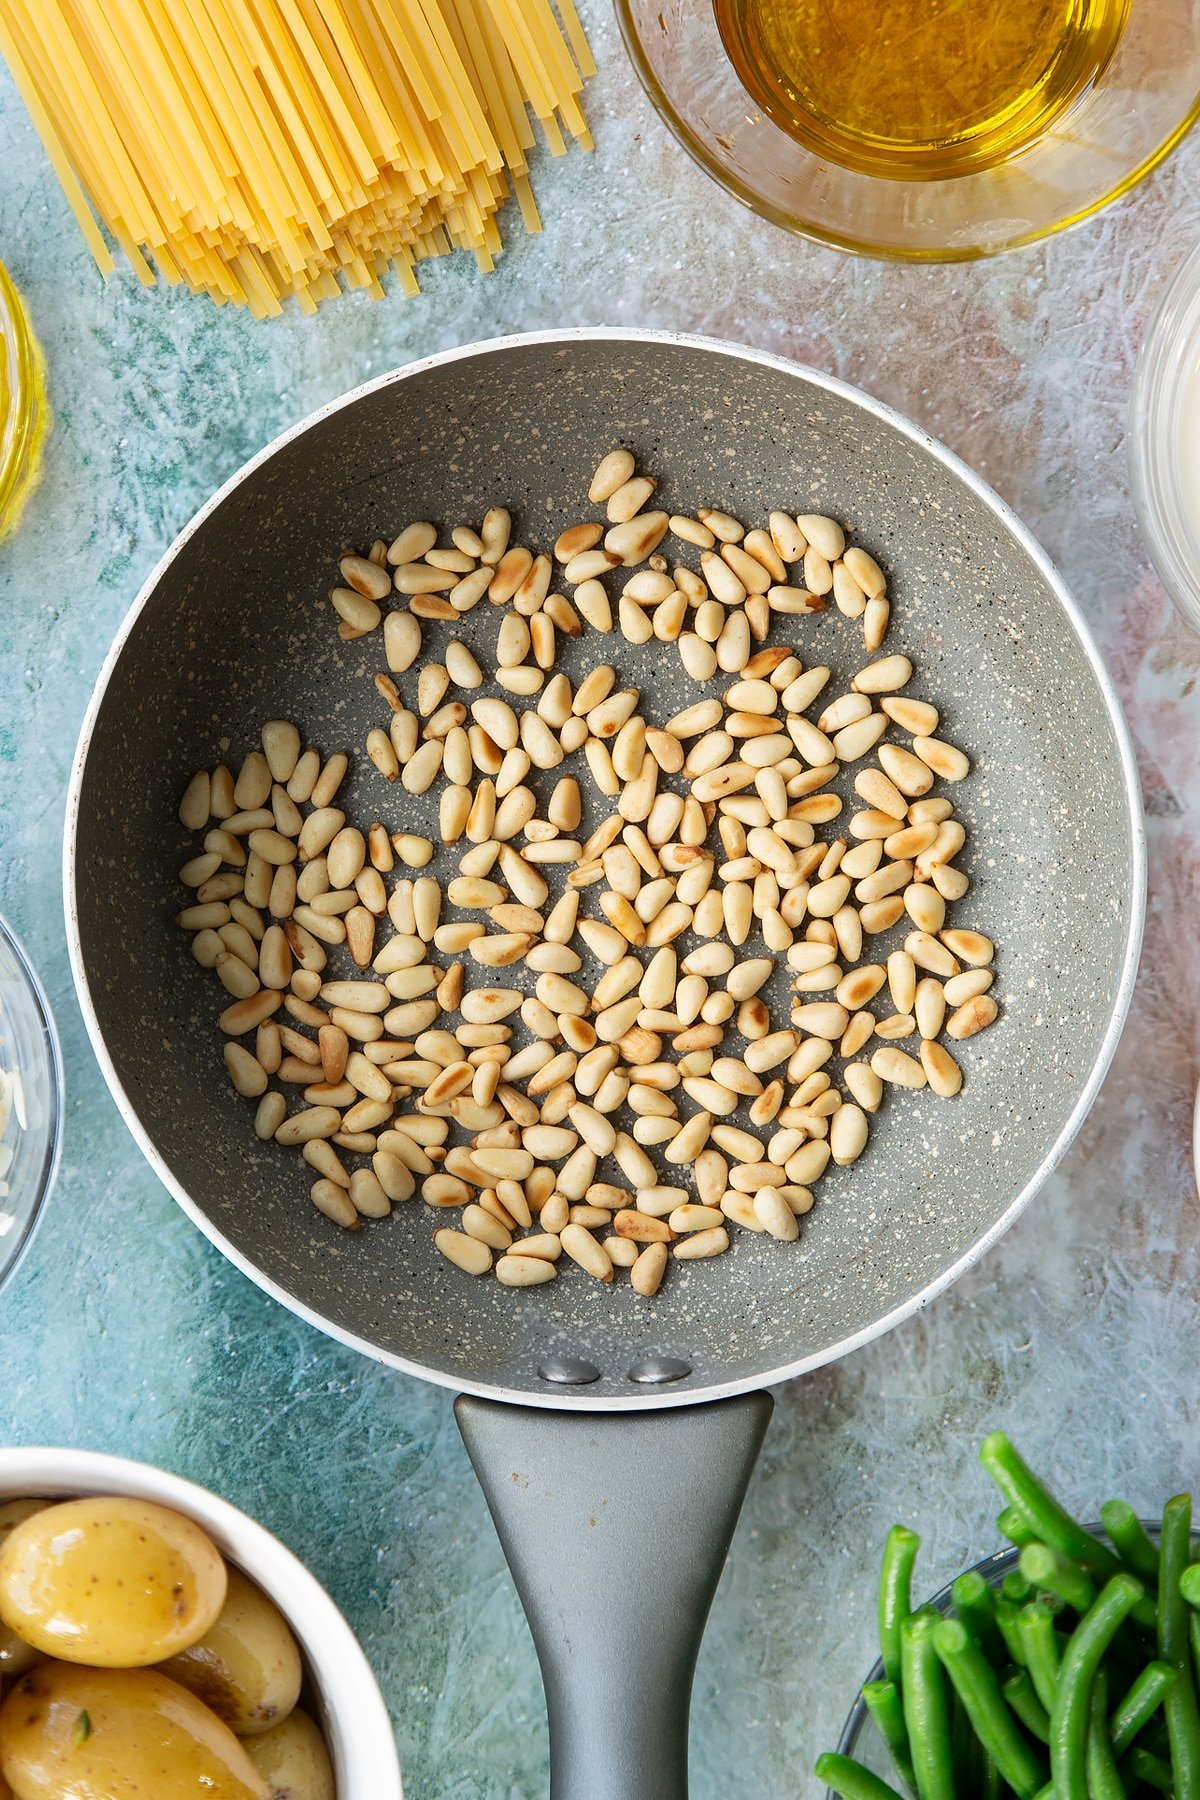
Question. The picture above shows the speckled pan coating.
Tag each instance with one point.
(234, 628)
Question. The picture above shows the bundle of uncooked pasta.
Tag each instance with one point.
(258, 148)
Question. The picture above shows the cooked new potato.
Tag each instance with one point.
(112, 1582)
(118, 1734)
(15, 1654)
(294, 1760)
(247, 1667)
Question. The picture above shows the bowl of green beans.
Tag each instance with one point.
(1063, 1667)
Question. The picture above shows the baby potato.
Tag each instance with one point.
(247, 1667)
(118, 1734)
(15, 1654)
(116, 1583)
(294, 1760)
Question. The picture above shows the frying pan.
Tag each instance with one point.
(616, 1521)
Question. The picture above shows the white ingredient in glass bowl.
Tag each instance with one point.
(13, 1119)
(1164, 439)
(1187, 449)
(31, 1101)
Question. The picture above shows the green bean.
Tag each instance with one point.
(1066, 1581)
(1016, 1587)
(926, 1713)
(1052, 1525)
(1007, 1623)
(1180, 1708)
(1139, 1705)
(1045, 1568)
(966, 1754)
(1012, 1524)
(1069, 1714)
(1151, 1769)
(1135, 1549)
(974, 1602)
(1021, 1695)
(1103, 1776)
(977, 1687)
(851, 1780)
(1039, 1644)
(882, 1701)
(895, 1594)
(1189, 1583)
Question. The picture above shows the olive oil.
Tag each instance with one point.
(918, 89)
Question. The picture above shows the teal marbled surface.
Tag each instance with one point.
(125, 1331)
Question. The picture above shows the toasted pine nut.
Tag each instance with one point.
(942, 758)
(466, 1253)
(973, 1016)
(647, 1272)
(700, 1244)
(945, 1076)
(513, 1270)
(897, 1067)
(930, 1006)
(915, 716)
(611, 473)
(864, 1084)
(969, 946)
(854, 741)
(583, 1249)
(909, 773)
(929, 954)
(925, 907)
(965, 986)
(884, 676)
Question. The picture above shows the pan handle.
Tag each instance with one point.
(616, 1527)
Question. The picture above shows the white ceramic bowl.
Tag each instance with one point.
(1163, 433)
(343, 1692)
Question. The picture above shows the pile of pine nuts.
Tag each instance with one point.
(707, 839)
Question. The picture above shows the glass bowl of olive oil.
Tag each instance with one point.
(925, 130)
(24, 414)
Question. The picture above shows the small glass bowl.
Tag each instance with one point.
(1168, 365)
(24, 414)
(860, 1738)
(31, 1101)
(1135, 111)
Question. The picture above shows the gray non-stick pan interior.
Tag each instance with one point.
(236, 628)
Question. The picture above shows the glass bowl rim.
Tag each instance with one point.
(1173, 328)
(14, 1253)
(993, 1568)
(742, 192)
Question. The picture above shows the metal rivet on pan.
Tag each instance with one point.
(568, 1371)
(659, 1368)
